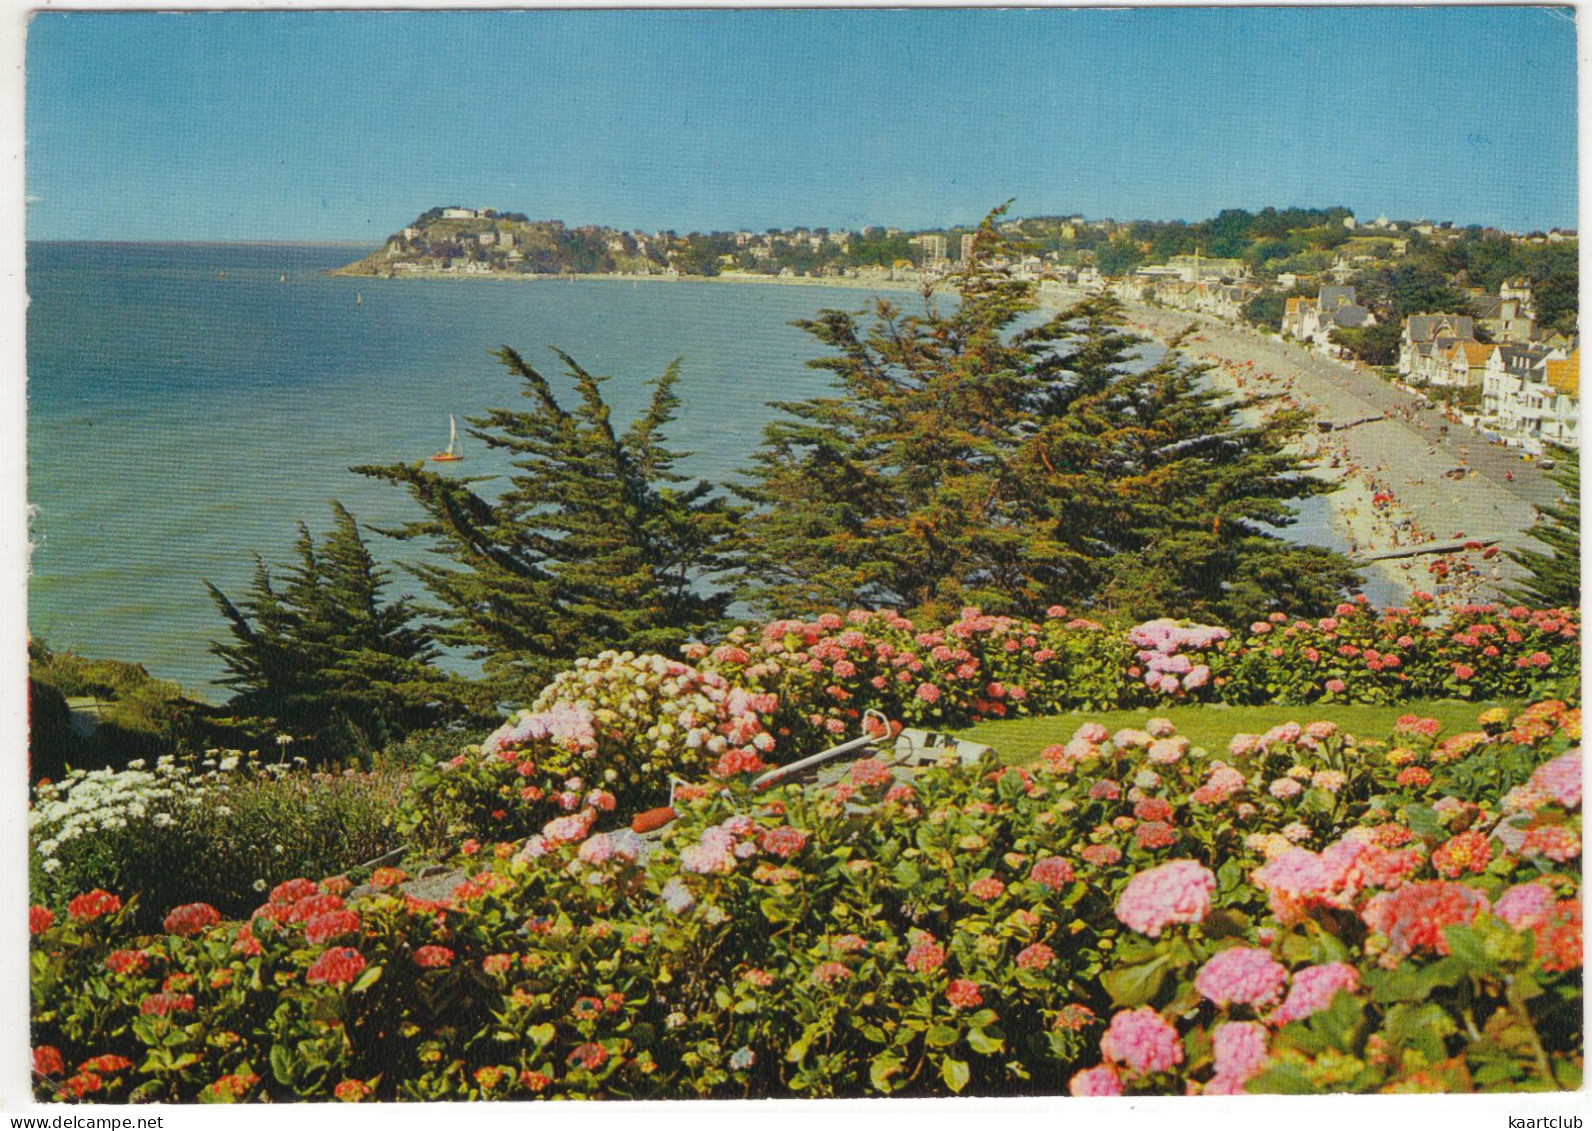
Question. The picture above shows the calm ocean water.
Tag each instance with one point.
(189, 404)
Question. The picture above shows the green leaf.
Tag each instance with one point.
(1131, 986)
(282, 1065)
(1423, 822)
(982, 1043)
(941, 1036)
(955, 1073)
(369, 978)
(541, 1035)
(884, 1066)
(1465, 946)
(1568, 1073)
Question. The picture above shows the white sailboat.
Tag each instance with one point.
(359, 299)
(451, 455)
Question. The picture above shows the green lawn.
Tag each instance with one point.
(1210, 726)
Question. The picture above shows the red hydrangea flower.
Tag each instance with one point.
(432, 957)
(191, 918)
(1417, 776)
(1559, 940)
(106, 1064)
(828, 973)
(47, 1061)
(246, 943)
(986, 888)
(336, 967)
(1101, 855)
(291, 891)
(329, 925)
(126, 961)
(925, 957)
(351, 1091)
(1052, 872)
(1153, 809)
(1470, 851)
(1035, 957)
(1155, 834)
(163, 1004)
(91, 905)
(80, 1085)
(1074, 1017)
(783, 841)
(311, 906)
(1413, 917)
(870, 772)
(736, 761)
(964, 994)
(40, 919)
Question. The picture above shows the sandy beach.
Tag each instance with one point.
(1408, 477)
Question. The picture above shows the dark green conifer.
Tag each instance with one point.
(319, 653)
(595, 543)
(964, 460)
(1555, 576)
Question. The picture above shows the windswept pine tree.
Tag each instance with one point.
(1555, 576)
(316, 652)
(962, 460)
(596, 543)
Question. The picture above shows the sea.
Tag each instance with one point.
(190, 404)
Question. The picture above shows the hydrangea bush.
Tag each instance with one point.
(616, 728)
(1299, 912)
(612, 731)
(827, 672)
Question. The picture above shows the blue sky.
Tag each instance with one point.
(345, 125)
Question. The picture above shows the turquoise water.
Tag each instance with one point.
(188, 405)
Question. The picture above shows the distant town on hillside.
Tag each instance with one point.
(1481, 318)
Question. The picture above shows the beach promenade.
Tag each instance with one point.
(1409, 477)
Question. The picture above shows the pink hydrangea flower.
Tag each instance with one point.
(1240, 1053)
(1284, 788)
(1129, 739)
(1313, 989)
(1244, 975)
(1223, 782)
(1561, 779)
(1178, 891)
(1101, 1080)
(1167, 751)
(1142, 1041)
(1556, 842)
(1525, 906)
